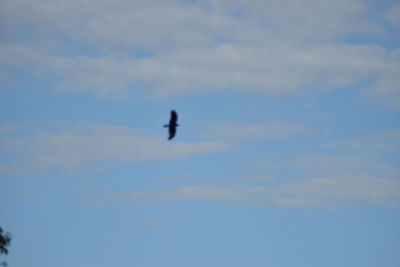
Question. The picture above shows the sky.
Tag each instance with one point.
(287, 152)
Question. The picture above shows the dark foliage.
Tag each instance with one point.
(5, 240)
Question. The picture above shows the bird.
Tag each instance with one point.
(172, 124)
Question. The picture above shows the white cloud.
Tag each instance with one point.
(393, 15)
(269, 70)
(120, 23)
(327, 165)
(252, 131)
(375, 154)
(270, 47)
(87, 146)
(255, 177)
(386, 89)
(181, 23)
(309, 20)
(385, 142)
(328, 191)
(321, 192)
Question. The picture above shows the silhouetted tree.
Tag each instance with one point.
(5, 240)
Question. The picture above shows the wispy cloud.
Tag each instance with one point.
(77, 147)
(139, 22)
(321, 192)
(327, 165)
(230, 130)
(393, 15)
(278, 48)
(387, 142)
(320, 180)
(269, 70)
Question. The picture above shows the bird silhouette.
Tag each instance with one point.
(172, 124)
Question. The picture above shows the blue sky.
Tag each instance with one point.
(287, 153)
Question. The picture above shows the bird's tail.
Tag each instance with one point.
(166, 125)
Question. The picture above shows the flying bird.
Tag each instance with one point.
(172, 124)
